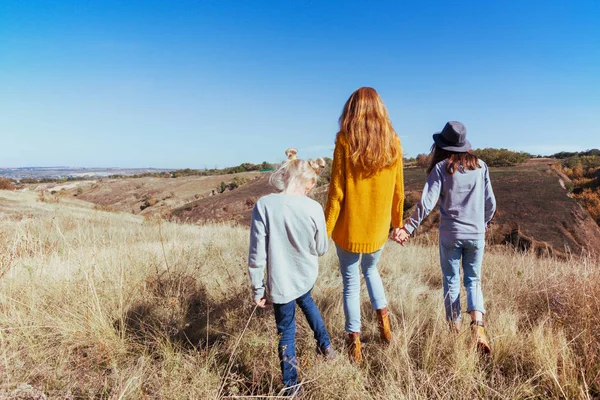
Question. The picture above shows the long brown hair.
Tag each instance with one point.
(371, 137)
(465, 160)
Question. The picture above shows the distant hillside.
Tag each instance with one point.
(534, 211)
(147, 195)
(235, 205)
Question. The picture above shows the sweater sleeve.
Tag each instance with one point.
(321, 238)
(398, 201)
(257, 254)
(429, 198)
(337, 188)
(490, 199)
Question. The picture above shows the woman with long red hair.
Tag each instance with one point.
(366, 196)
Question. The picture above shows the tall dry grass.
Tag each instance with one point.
(103, 305)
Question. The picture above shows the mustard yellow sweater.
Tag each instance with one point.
(360, 209)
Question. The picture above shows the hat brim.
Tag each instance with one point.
(444, 145)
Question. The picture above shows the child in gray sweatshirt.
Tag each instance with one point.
(287, 236)
(467, 204)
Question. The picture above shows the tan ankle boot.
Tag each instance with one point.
(383, 323)
(353, 343)
(480, 338)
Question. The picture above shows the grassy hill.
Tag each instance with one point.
(111, 305)
(146, 195)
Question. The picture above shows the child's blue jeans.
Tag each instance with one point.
(471, 252)
(285, 318)
(351, 278)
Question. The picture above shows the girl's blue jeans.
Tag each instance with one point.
(349, 263)
(285, 318)
(471, 252)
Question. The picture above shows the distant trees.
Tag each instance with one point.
(423, 160)
(501, 157)
(492, 157)
(567, 154)
(244, 167)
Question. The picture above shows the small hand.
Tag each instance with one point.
(261, 303)
(400, 235)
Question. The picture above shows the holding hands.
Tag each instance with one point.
(399, 235)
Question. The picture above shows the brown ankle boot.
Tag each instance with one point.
(480, 338)
(353, 342)
(383, 322)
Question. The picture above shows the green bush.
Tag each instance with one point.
(501, 157)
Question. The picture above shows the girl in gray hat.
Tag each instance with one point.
(467, 204)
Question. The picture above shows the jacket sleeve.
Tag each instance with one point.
(429, 198)
(321, 238)
(398, 201)
(490, 199)
(257, 254)
(337, 188)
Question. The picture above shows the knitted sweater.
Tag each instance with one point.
(361, 206)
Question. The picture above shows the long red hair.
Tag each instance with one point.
(366, 124)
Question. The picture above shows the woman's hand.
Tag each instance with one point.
(400, 235)
(261, 303)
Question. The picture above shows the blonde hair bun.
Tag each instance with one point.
(291, 153)
(317, 165)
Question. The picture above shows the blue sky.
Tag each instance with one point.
(199, 84)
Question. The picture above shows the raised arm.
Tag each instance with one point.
(429, 198)
(490, 199)
(257, 254)
(337, 188)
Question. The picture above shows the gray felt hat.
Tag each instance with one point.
(453, 138)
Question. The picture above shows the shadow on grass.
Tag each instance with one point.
(178, 308)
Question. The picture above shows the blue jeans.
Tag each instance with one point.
(351, 278)
(471, 252)
(285, 318)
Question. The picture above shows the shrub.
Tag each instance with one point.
(501, 157)
(104, 207)
(6, 184)
(423, 160)
(591, 200)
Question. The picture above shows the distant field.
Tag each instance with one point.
(104, 305)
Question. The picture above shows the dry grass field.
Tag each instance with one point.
(102, 305)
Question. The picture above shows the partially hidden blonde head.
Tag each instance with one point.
(294, 171)
(371, 137)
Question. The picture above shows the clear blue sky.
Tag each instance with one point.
(204, 83)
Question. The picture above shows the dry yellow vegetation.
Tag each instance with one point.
(97, 304)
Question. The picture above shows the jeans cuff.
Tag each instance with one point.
(475, 309)
(378, 304)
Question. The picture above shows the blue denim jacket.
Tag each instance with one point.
(467, 202)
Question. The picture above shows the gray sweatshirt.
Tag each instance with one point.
(287, 236)
(467, 202)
